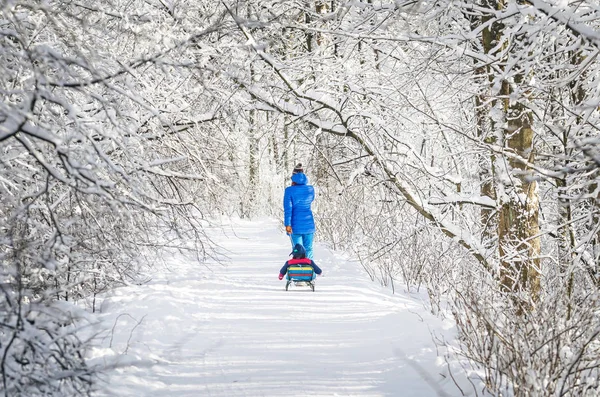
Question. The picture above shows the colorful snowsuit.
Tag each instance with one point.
(300, 261)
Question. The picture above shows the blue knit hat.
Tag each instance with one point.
(298, 252)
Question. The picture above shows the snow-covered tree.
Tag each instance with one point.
(454, 146)
(477, 119)
(106, 156)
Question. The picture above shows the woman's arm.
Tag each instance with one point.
(287, 208)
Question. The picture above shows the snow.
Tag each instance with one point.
(230, 329)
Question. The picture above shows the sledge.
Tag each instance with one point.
(300, 275)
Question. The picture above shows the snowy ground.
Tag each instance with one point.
(232, 330)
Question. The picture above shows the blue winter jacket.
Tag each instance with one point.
(296, 205)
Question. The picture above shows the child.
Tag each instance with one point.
(299, 258)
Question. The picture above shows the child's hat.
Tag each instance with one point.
(298, 251)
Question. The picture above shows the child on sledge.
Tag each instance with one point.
(299, 258)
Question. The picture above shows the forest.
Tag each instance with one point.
(454, 146)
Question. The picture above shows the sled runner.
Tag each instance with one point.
(300, 275)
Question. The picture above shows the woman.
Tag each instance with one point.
(298, 217)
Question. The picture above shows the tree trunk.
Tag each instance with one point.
(485, 126)
(518, 228)
(253, 153)
(515, 191)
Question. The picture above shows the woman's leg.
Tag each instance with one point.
(297, 238)
(307, 241)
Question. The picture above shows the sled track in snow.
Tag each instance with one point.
(232, 329)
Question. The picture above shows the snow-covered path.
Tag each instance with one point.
(232, 330)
